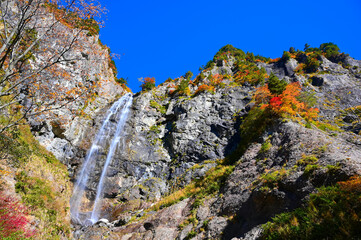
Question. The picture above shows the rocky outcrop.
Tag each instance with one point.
(66, 133)
(173, 140)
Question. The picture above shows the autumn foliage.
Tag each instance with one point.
(249, 72)
(13, 219)
(203, 88)
(38, 56)
(334, 212)
(148, 83)
(285, 104)
(80, 14)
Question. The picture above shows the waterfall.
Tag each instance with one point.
(106, 139)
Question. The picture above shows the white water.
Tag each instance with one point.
(119, 112)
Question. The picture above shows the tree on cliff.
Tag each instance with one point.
(36, 39)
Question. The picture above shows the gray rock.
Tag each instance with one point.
(185, 231)
(216, 227)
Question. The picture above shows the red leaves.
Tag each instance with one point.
(285, 103)
(13, 219)
(275, 102)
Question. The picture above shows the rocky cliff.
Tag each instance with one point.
(221, 156)
(202, 162)
(37, 177)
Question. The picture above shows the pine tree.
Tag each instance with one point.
(275, 85)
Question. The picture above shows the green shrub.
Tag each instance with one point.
(188, 75)
(306, 160)
(275, 85)
(148, 83)
(182, 88)
(265, 146)
(332, 213)
(309, 169)
(312, 65)
(331, 50)
(162, 109)
(286, 56)
(272, 178)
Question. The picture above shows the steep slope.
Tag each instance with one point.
(225, 167)
(38, 176)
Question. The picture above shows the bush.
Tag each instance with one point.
(182, 88)
(203, 88)
(285, 104)
(148, 83)
(312, 65)
(275, 85)
(188, 75)
(249, 72)
(332, 213)
(13, 219)
(331, 50)
(286, 56)
(224, 53)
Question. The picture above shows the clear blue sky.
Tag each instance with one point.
(164, 39)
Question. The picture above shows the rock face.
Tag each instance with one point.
(173, 140)
(66, 133)
(162, 147)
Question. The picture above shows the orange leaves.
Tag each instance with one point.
(275, 60)
(78, 14)
(285, 104)
(203, 88)
(148, 83)
(352, 185)
(263, 96)
(216, 79)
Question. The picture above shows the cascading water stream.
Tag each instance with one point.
(118, 113)
(121, 122)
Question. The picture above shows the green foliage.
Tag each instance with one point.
(237, 53)
(331, 50)
(308, 97)
(272, 178)
(148, 83)
(253, 125)
(265, 146)
(191, 235)
(309, 169)
(250, 57)
(249, 72)
(306, 160)
(183, 88)
(36, 192)
(292, 50)
(286, 56)
(311, 65)
(121, 80)
(262, 58)
(162, 109)
(275, 85)
(188, 75)
(155, 129)
(307, 46)
(223, 53)
(332, 213)
(22, 149)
